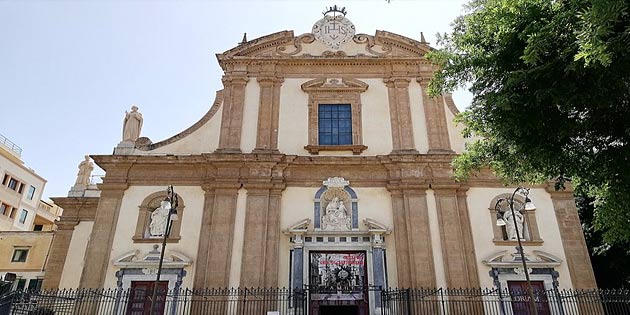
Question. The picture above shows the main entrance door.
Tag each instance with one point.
(338, 283)
(140, 298)
(520, 297)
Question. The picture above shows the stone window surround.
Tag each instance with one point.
(334, 91)
(19, 186)
(530, 224)
(150, 203)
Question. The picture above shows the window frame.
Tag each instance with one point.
(23, 214)
(334, 91)
(20, 249)
(338, 110)
(31, 192)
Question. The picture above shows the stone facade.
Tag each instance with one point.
(255, 180)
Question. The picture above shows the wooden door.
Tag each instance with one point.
(520, 297)
(140, 298)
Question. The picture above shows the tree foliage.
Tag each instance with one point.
(551, 93)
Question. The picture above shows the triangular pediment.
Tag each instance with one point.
(285, 45)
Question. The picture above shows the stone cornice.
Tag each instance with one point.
(400, 170)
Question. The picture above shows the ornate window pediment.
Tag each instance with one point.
(334, 91)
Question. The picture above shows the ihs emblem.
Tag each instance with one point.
(334, 29)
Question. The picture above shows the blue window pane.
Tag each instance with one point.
(325, 139)
(345, 138)
(335, 124)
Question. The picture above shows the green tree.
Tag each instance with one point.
(551, 92)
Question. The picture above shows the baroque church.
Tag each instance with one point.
(322, 163)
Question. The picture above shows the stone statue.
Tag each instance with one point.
(85, 170)
(336, 217)
(157, 227)
(132, 124)
(509, 225)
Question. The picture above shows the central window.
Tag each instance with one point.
(335, 124)
(334, 115)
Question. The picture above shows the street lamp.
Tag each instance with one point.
(501, 203)
(172, 200)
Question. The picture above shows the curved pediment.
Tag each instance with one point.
(284, 44)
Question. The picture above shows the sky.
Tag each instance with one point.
(70, 69)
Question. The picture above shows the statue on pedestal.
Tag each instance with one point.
(157, 227)
(132, 125)
(510, 228)
(85, 170)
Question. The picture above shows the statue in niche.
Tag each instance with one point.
(336, 216)
(510, 228)
(85, 170)
(157, 227)
(132, 125)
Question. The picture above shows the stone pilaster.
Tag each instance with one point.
(75, 211)
(400, 115)
(413, 238)
(97, 255)
(435, 116)
(216, 236)
(273, 239)
(262, 236)
(456, 238)
(298, 264)
(232, 117)
(268, 114)
(573, 242)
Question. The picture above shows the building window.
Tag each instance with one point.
(334, 115)
(31, 193)
(13, 184)
(23, 216)
(38, 227)
(4, 209)
(19, 255)
(35, 284)
(335, 124)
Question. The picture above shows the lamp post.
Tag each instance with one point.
(524, 192)
(172, 199)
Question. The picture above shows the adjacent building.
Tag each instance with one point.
(323, 162)
(26, 221)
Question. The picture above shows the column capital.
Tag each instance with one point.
(398, 82)
(269, 80)
(234, 79)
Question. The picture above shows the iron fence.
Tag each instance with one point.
(504, 302)
(137, 302)
(297, 302)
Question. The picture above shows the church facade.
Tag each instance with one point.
(323, 162)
